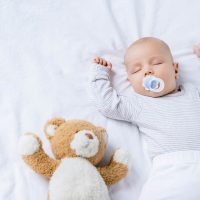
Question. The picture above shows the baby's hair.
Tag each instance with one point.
(146, 39)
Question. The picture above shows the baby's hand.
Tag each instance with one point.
(103, 62)
(196, 49)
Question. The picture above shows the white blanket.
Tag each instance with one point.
(45, 51)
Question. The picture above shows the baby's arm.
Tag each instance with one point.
(109, 103)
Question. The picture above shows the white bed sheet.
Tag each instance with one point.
(45, 49)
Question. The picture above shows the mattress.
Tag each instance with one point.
(45, 53)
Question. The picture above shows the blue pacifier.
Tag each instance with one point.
(153, 83)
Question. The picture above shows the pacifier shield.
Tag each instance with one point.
(153, 84)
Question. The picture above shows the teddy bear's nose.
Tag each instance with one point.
(89, 136)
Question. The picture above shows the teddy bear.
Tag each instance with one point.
(78, 146)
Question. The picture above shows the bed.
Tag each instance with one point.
(45, 53)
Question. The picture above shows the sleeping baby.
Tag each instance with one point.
(167, 115)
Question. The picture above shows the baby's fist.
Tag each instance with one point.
(101, 61)
(196, 49)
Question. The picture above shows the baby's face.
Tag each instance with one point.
(151, 57)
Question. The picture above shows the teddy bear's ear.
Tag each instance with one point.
(51, 126)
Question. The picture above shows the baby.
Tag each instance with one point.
(167, 115)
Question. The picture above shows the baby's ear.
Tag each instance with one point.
(176, 70)
(51, 126)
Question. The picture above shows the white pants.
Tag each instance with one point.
(174, 176)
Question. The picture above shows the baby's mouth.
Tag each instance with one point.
(153, 84)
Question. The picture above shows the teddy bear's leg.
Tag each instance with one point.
(30, 147)
(117, 169)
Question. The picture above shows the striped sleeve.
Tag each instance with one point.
(108, 102)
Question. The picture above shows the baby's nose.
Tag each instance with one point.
(148, 72)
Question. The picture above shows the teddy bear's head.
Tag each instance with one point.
(76, 138)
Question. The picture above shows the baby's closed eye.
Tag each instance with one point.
(137, 70)
(157, 62)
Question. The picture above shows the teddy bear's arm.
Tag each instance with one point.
(117, 169)
(34, 155)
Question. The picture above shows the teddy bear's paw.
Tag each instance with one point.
(28, 144)
(122, 156)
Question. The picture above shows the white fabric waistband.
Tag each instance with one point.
(190, 156)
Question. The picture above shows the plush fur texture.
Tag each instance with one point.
(85, 144)
(51, 129)
(75, 178)
(78, 146)
(28, 145)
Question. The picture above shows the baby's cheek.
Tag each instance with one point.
(134, 79)
(137, 84)
(169, 82)
(166, 74)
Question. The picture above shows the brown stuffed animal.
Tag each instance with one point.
(78, 146)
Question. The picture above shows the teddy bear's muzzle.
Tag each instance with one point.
(85, 143)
